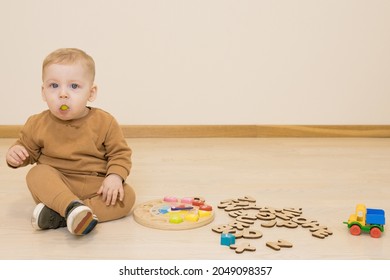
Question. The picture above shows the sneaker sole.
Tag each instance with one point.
(81, 221)
(35, 215)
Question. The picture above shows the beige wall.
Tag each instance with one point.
(208, 62)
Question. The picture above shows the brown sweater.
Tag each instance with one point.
(90, 145)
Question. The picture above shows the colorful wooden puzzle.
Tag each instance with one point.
(172, 213)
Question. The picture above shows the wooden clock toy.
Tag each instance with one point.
(172, 213)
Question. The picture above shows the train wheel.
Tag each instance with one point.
(355, 230)
(375, 232)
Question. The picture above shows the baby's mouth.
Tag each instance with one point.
(64, 107)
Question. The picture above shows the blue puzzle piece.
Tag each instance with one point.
(227, 239)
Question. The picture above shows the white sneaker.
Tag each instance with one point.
(79, 219)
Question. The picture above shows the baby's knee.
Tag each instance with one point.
(129, 198)
(119, 210)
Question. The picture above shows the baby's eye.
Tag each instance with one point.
(74, 86)
(53, 85)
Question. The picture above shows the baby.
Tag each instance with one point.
(82, 158)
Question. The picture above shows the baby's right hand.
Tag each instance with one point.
(16, 155)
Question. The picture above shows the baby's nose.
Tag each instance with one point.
(63, 94)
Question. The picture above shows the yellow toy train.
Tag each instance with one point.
(366, 220)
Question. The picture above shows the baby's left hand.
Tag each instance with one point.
(111, 187)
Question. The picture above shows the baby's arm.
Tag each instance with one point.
(118, 165)
(16, 155)
(26, 149)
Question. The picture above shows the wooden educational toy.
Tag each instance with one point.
(245, 212)
(280, 244)
(240, 248)
(366, 220)
(172, 213)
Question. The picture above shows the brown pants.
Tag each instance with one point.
(57, 190)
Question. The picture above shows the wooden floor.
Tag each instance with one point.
(325, 177)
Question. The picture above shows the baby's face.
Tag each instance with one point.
(66, 89)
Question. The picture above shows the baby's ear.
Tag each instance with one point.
(43, 94)
(92, 93)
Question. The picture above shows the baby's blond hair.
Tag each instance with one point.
(70, 56)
